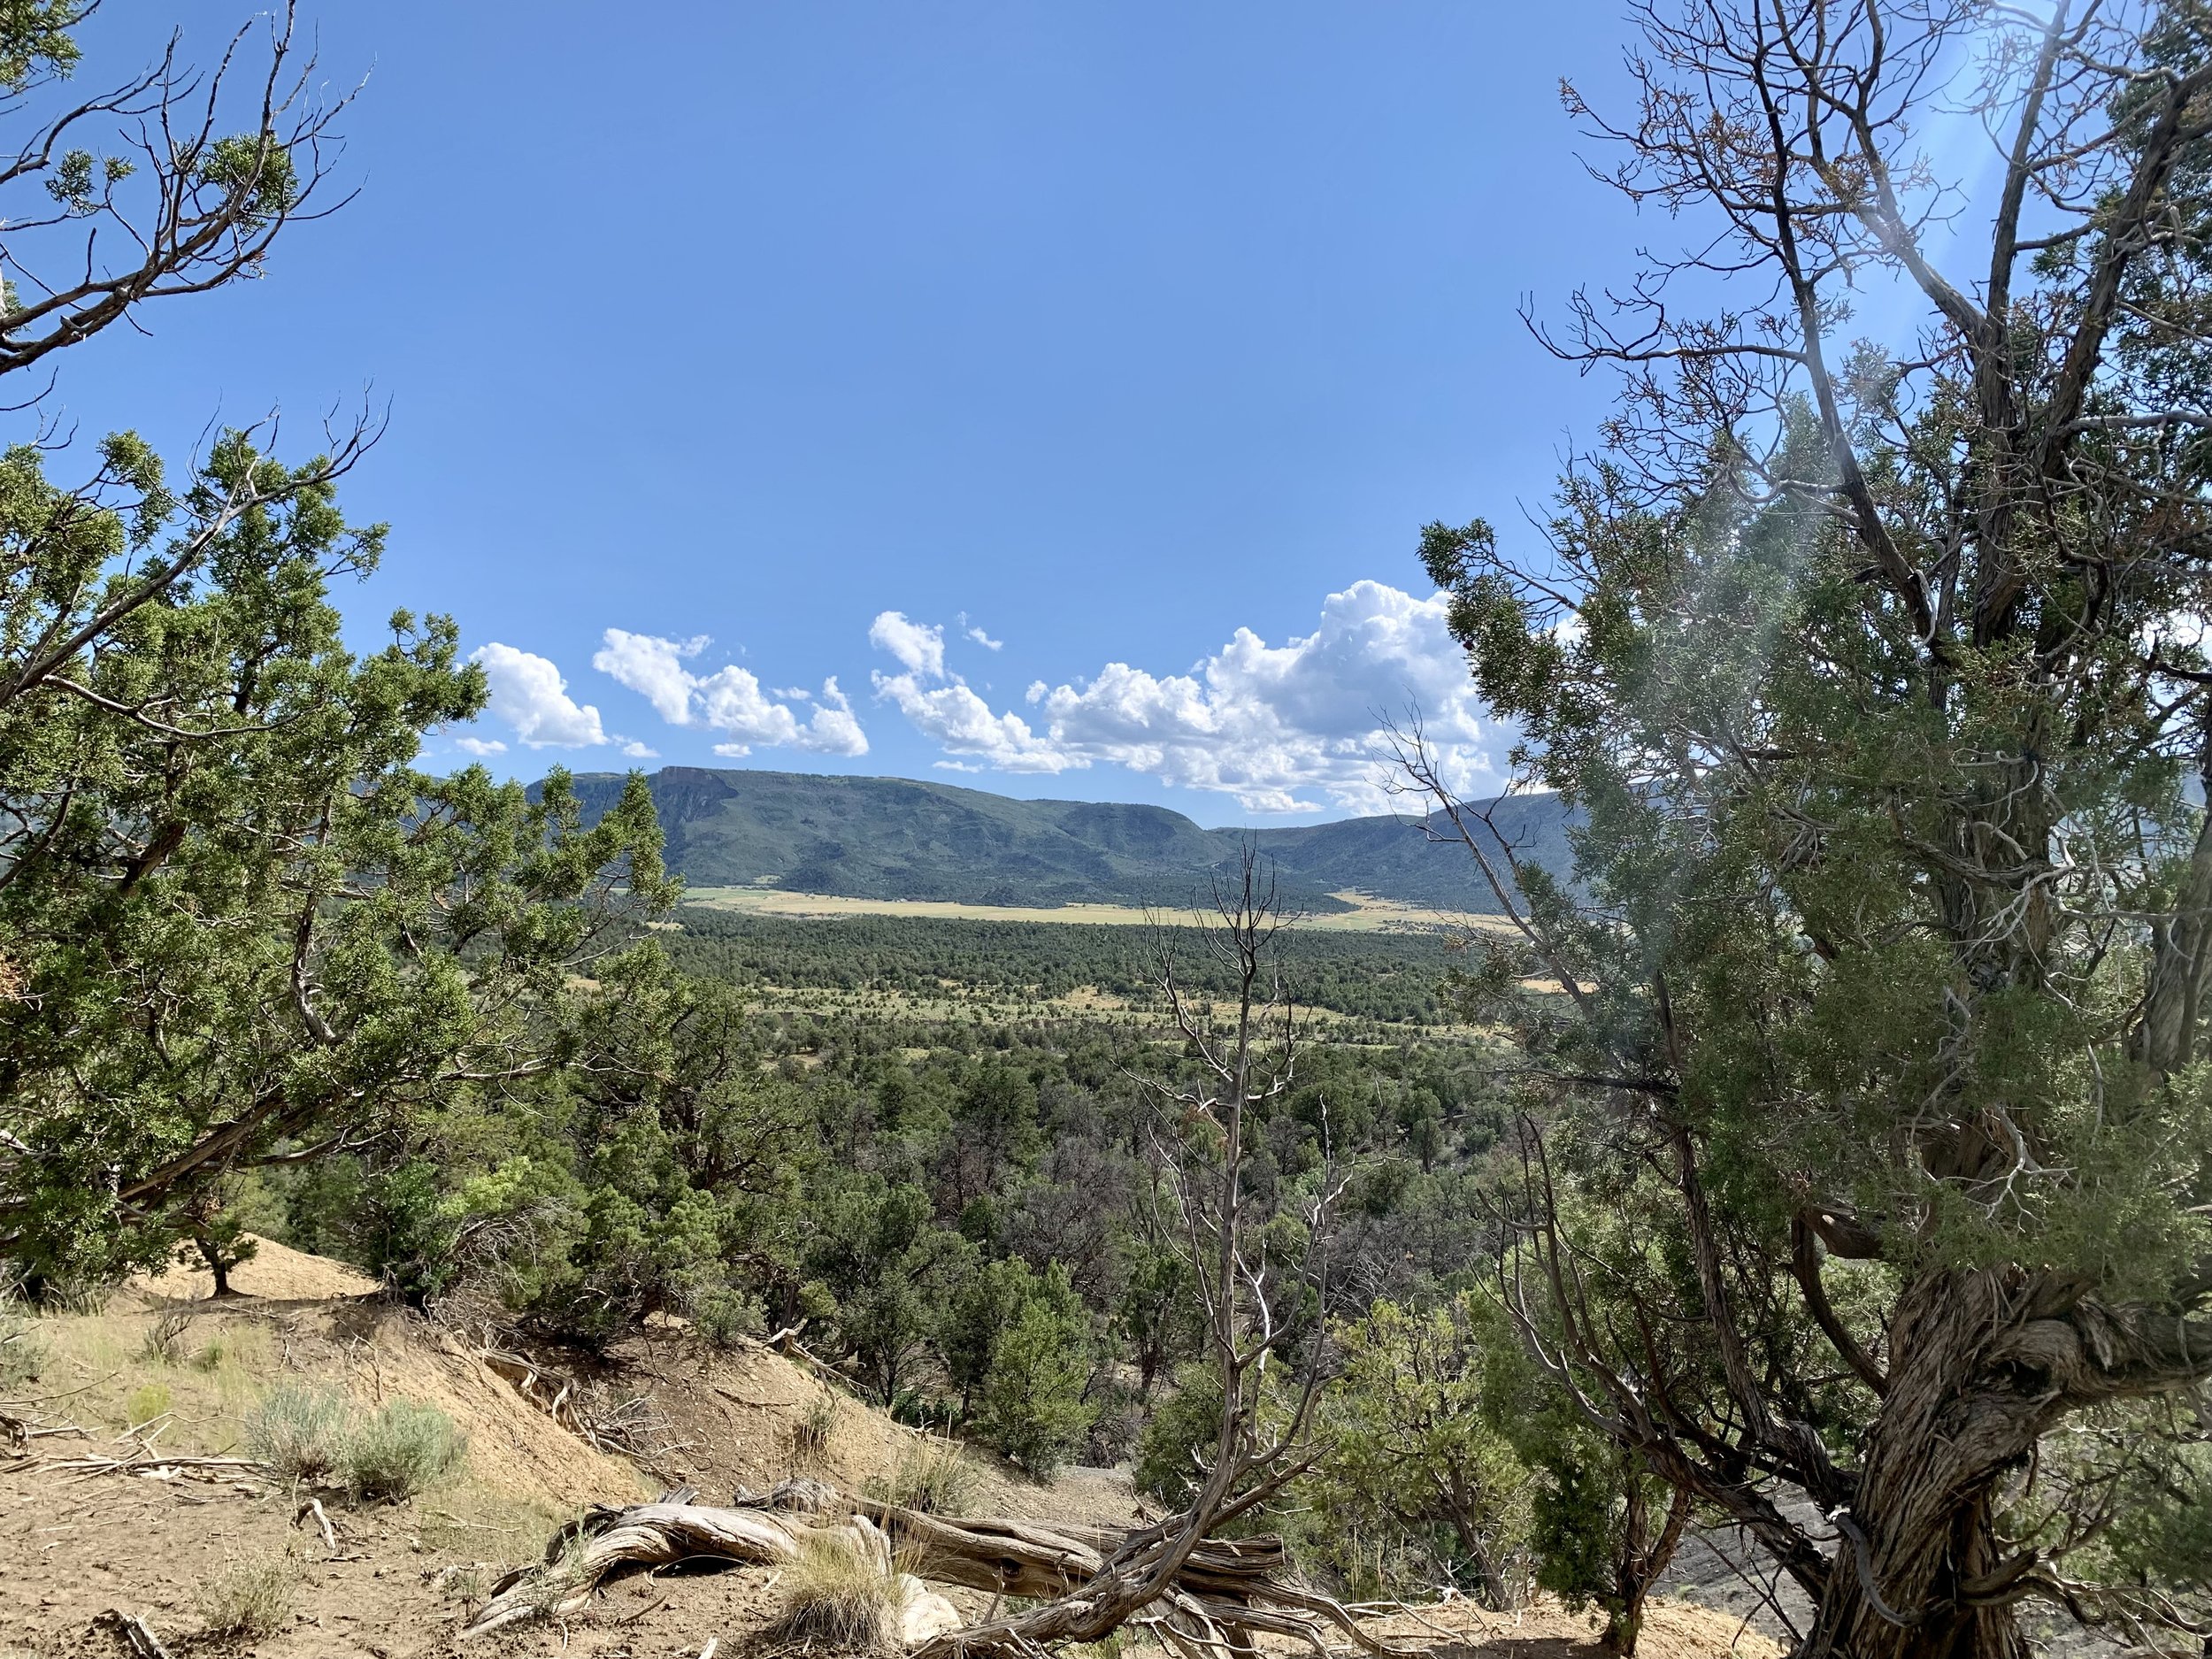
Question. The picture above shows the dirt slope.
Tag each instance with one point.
(275, 1273)
(328, 1325)
(164, 1364)
(736, 1419)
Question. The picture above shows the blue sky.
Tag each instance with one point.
(750, 366)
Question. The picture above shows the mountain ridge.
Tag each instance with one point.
(902, 838)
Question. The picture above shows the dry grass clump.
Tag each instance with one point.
(300, 1431)
(22, 1351)
(931, 1476)
(404, 1449)
(808, 1438)
(843, 1590)
(251, 1597)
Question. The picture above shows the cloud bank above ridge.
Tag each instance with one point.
(1297, 727)
(729, 701)
(1280, 728)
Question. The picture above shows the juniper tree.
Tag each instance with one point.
(1869, 1109)
(237, 924)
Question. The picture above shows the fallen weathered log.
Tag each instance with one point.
(1225, 1591)
(765, 1531)
(645, 1535)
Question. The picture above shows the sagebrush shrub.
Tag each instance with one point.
(251, 1597)
(300, 1431)
(402, 1449)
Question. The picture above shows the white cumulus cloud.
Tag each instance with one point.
(1282, 728)
(834, 729)
(480, 746)
(528, 693)
(730, 700)
(653, 668)
(963, 722)
(922, 649)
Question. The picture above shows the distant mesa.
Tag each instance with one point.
(901, 839)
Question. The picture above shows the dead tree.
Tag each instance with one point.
(1242, 1053)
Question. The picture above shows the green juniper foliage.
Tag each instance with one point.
(236, 919)
(1869, 1134)
(236, 923)
(1413, 1451)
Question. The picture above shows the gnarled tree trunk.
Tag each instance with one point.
(1643, 1556)
(1983, 1362)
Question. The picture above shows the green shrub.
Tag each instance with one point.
(1176, 1447)
(146, 1403)
(1417, 1446)
(976, 1320)
(1033, 1404)
(402, 1449)
(723, 1317)
(300, 1431)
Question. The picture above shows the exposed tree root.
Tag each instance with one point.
(1225, 1592)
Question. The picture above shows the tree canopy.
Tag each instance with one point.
(237, 924)
(1870, 1125)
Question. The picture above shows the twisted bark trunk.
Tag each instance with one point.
(1643, 1556)
(1984, 1363)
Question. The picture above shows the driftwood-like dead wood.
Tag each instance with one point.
(159, 1464)
(142, 1457)
(648, 1535)
(1225, 1591)
(633, 1429)
(17, 1433)
(314, 1507)
(137, 1634)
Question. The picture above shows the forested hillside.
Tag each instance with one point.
(1388, 977)
(893, 838)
